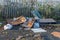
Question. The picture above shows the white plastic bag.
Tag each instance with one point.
(8, 26)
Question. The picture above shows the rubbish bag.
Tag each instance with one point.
(8, 26)
(36, 25)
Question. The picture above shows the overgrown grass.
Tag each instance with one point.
(1, 19)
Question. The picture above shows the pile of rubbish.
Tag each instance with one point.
(25, 23)
(20, 34)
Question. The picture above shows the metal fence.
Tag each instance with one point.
(12, 12)
(14, 8)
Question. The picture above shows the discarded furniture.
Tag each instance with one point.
(29, 23)
(18, 20)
